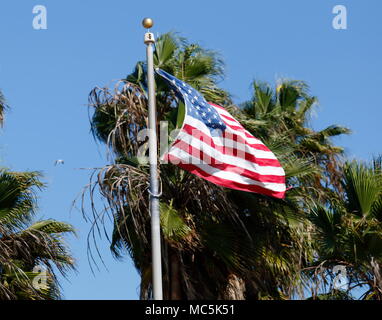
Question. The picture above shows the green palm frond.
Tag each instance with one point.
(226, 245)
(51, 227)
(297, 168)
(328, 225)
(289, 92)
(376, 209)
(165, 48)
(17, 197)
(23, 245)
(362, 186)
(305, 107)
(173, 226)
(262, 101)
(331, 131)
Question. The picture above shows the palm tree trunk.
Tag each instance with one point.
(235, 289)
(175, 281)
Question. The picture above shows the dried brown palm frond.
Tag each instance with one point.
(119, 115)
(124, 188)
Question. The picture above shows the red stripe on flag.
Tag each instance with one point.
(200, 135)
(224, 182)
(231, 136)
(182, 145)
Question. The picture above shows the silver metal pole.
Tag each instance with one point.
(154, 179)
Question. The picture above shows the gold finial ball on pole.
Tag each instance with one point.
(147, 23)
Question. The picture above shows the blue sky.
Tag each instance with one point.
(46, 76)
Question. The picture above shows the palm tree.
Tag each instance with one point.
(281, 117)
(349, 232)
(245, 246)
(125, 182)
(26, 248)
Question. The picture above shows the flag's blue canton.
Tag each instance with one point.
(197, 106)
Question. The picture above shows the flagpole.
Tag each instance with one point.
(154, 179)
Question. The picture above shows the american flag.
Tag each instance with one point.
(214, 146)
